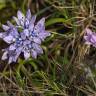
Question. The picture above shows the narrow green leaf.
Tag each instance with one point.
(55, 20)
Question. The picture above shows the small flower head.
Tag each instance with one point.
(27, 41)
(90, 37)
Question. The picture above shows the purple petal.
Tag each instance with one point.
(16, 20)
(10, 60)
(41, 22)
(26, 55)
(40, 25)
(20, 15)
(31, 25)
(26, 23)
(10, 24)
(26, 32)
(34, 54)
(18, 52)
(37, 48)
(8, 39)
(14, 32)
(4, 34)
(4, 55)
(93, 39)
(86, 37)
(5, 27)
(37, 40)
(32, 21)
(43, 35)
(12, 47)
(88, 31)
(26, 42)
(28, 14)
(1, 35)
(23, 36)
(19, 49)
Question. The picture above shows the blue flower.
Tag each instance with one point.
(27, 41)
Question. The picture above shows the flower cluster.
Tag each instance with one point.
(25, 37)
(90, 37)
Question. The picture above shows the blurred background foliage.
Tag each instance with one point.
(68, 66)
